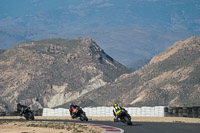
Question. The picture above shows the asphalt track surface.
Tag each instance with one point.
(138, 127)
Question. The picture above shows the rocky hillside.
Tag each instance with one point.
(171, 78)
(52, 72)
(1, 51)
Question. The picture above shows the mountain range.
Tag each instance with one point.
(53, 72)
(170, 79)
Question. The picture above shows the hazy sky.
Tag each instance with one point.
(126, 29)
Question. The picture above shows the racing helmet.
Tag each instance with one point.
(115, 105)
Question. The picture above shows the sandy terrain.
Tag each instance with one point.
(46, 127)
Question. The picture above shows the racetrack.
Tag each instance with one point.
(138, 127)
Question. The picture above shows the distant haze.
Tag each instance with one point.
(128, 30)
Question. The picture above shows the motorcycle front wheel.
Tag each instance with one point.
(127, 120)
(29, 116)
(83, 117)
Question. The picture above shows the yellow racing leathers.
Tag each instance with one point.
(116, 111)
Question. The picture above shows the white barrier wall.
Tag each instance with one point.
(157, 111)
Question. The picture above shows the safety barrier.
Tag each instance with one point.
(38, 112)
(182, 111)
(157, 111)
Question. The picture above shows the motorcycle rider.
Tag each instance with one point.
(71, 108)
(21, 108)
(116, 111)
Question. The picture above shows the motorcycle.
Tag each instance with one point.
(27, 113)
(124, 117)
(78, 112)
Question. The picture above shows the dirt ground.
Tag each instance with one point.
(46, 127)
(64, 127)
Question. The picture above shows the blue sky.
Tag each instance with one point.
(161, 13)
(126, 29)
